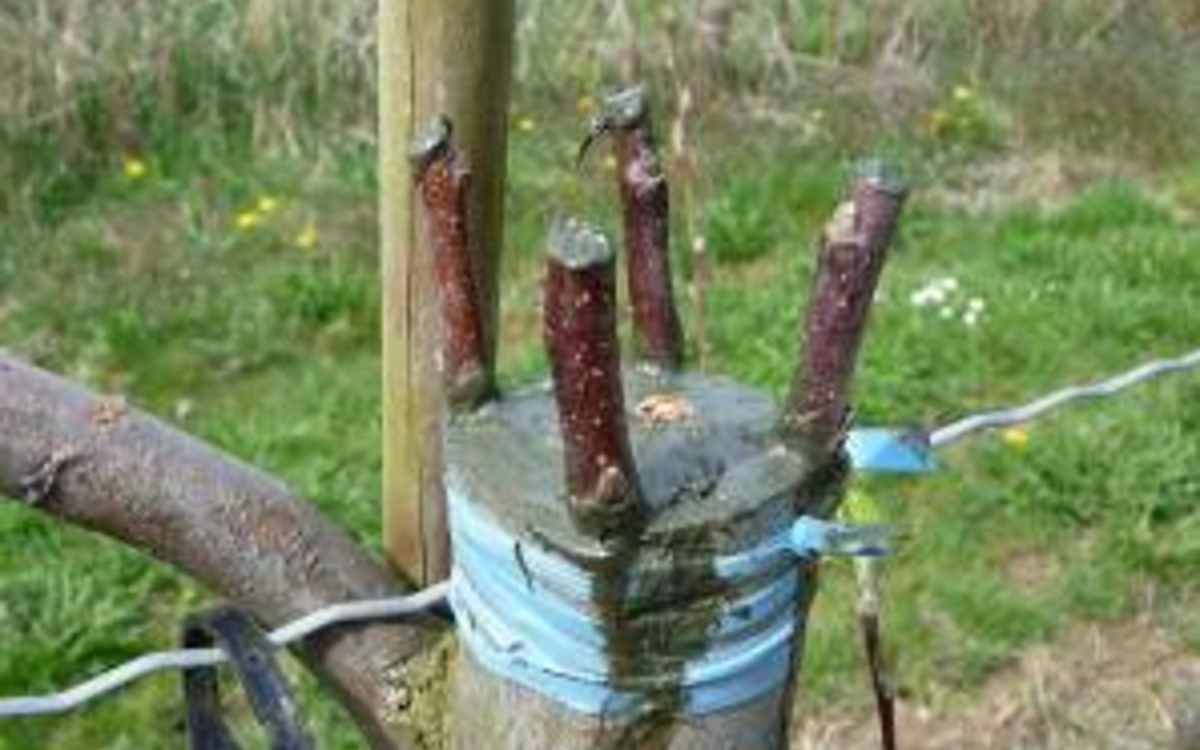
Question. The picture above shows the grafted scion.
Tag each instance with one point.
(645, 206)
(851, 257)
(580, 331)
(442, 184)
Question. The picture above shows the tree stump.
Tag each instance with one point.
(716, 483)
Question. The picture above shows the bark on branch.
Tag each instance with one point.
(580, 330)
(853, 251)
(645, 208)
(441, 183)
(95, 463)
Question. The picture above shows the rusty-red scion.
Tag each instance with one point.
(580, 330)
(441, 184)
(645, 205)
(853, 250)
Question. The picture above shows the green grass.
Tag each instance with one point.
(269, 349)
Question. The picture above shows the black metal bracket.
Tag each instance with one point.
(253, 660)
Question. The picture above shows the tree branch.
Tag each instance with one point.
(580, 331)
(441, 184)
(645, 207)
(854, 248)
(95, 463)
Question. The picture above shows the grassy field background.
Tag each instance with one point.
(187, 193)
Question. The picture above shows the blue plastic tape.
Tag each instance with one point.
(889, 451)
(526, 614)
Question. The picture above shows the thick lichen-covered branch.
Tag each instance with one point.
(853, 250)
(97, 463)
(580, 330)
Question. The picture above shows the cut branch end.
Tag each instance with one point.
(645, 208)
(442, 189)
(580, 331)
(852, 253)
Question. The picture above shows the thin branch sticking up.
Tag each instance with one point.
(853, 250)
(441, 183)
(868, 572)
(645, 204)
(581, 339)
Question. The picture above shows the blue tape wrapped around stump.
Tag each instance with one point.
(527, 613)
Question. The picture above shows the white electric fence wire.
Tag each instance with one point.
(339, 614)
(436, 595)
(1019, 415)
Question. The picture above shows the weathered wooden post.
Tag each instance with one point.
(451, 58)
(626, 539)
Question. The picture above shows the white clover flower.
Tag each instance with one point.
(921, 298)
(941, 293)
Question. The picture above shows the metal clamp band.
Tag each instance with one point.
(254, 662)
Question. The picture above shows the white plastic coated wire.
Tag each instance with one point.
(956, 431)
(421, 601)
(339, 614)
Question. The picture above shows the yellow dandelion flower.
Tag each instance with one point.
(860, 507)
(526, 124)
(1016, 438)
(938, 121)
(963, 93)
(247, 220)
(135, 169)
(585, 105)
(307, 238)
(267, 204)
(610, 162)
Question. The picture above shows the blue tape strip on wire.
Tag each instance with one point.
(889, 451)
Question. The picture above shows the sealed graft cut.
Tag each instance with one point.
(580, 330)
(645, 206)
(442, 189)
(673, 640)
(853, 250)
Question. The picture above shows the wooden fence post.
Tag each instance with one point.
(452, 58)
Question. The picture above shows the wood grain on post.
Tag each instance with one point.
(450, 57)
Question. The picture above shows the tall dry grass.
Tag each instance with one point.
(81, 80)
(97, 71)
